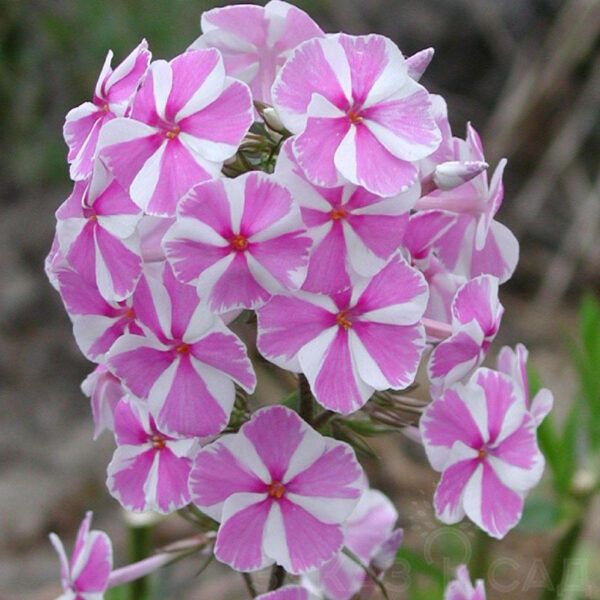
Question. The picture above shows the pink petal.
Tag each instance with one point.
(286, 324)
(81, 296)
(310, 541)
(499, 255)
(184, 301)
(275, 433)
(332, 475)
(458, 354)
(239, 541)
(289, 592)
(172, 486)
(246, 22)
(478, 299)
(449, 494)
(265, 203)
(123, 81)
(225, 352)
(327, 271)
(316, 146)
(382, 234)
(500, 395)
(93, 577)
(128, 473)
(189, 408)
(128, 425)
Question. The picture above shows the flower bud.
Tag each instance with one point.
(453, 173)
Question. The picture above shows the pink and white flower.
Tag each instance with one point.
(482, 438)
(85, 576)
(476, 315)
(255, 40)
(97, 234)
(514, 363)
(104, 391)
(354, 232)
(239, 241)
(475, 243)
(149, 469)
(280, 490)
(359, 116)
(367, 528)
(112, 97)
(367, 338)
(186, 119)
(186, 363)
(97, 323)
(462, 588)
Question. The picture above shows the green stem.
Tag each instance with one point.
(277, 577)
(250, 585)
(481, 555)
(139, 548)
(307, 406)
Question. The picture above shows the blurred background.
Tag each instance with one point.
(526, 73)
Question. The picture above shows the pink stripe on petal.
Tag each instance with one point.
(478, 299)
(396, 349)
(208, 202)
(283, 256)
(237, 288)
(124, 267)
(189, 407)
(501, 508)
(189, 258)
(247, 22)
(332, 475)
(239, 541)
(144, 306)
(382, 234)
(275, 433)
(141, 367)
(172, 487)
(520, 447)
(225, 121)
(335, 386)
(79, 123)
(80, 296)
(225, 352)
(82, 253)
(265, 203)
(94, 575)
(286, 324)
(377, 169)
(179, 171)
(289, 592)
(450, 490)
(86, 324)
(190, 72)
(500, 396)
(461, 350)
(448, 420)
(114, 200)
(127, 474)
(217, 474)
(310, 541)
(499, 256)
(316, 146)
(327, 271)
(128, 425)
(184, 300)
(397, 283)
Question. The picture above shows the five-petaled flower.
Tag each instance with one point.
(280, 490)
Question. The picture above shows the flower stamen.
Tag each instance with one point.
(173, 133)
(158, 441)
(342, 320)
(239, 242)
(355, 118)
(276, 489)
(183, 348)
(337, 214)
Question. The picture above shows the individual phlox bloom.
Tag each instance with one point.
(359, 116)
(514, 363)
(96, 230)
(476, 315)
(423, 229)
(186, 119)
(370, 524)
(461, 588)
(353, 230)
(188, 361)
(112, 96)
(482, 438)
(104, 391)
(255, 40)
(149, 469)
(239, 241)
(288, 592)
(280, 490)
(367, 338)
(97, 323)
(476, 243)
(85, 577)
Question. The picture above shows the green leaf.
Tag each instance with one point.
(541, 514)
(418, 564)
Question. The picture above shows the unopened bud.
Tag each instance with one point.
(386, 554)
(418, 62)
(272, 120)
(453, 173)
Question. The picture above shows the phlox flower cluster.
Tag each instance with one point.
(308, 185)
